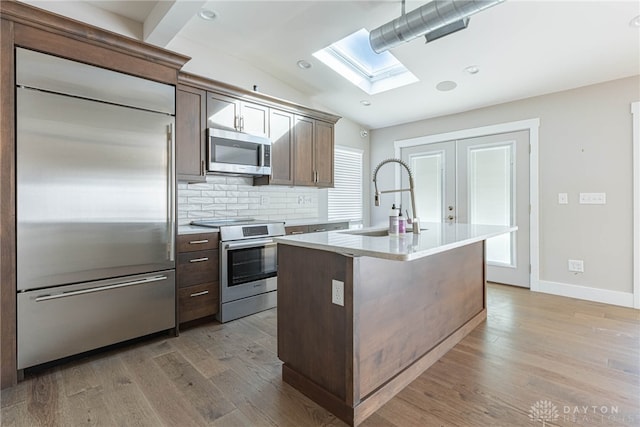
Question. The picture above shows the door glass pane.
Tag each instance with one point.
(234, 152)
(490, 182)
(250, 264)
(427, 171)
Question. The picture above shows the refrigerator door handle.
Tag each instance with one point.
(101, 288)
(171, 208)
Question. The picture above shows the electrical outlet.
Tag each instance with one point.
(264, 200)
(593, 198)
(563, 198)
(576, 265)
(337, 292)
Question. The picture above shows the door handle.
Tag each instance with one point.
(199, 294)
(251, 244)
(198, 242)
(101, 288)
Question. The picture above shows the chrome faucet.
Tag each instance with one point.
(415, 222)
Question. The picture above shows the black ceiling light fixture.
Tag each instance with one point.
(432, 20)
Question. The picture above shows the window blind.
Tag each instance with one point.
(345, 198)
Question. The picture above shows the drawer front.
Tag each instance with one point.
(338, 226)
(198, 267)
(197, 242)
(198, 301)
(316, 228)
(296, 229)
(59, 322)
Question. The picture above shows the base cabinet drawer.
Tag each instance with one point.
(195, 268)
(197, 301)
(332, 226)
(296, 229)
(59, 322)
(197, 242)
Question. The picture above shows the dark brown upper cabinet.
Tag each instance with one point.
(302, 138)
(323, 151)
(313, 152)
(281, 136)
(227, 112)
(191, 122)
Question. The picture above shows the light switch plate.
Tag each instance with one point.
(337, 292)
(576, 265)
(593, 198)
(563, 198)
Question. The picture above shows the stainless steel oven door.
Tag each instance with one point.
(247, 268)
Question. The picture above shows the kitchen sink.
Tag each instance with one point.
(369, 233)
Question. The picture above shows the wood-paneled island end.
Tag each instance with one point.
(404, 307)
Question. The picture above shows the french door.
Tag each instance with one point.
(480, 180)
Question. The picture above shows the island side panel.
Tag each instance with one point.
(315, 335)
(404, 309)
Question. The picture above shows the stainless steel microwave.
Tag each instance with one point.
(237, 153)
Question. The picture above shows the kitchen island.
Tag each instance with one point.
(362, 314)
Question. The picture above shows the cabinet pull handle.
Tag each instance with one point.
(100, 288)
(198, 242)
(297, 232)
(318, 230)
(199, 259)
(199, 294)
(202, 168)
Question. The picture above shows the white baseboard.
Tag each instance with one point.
(624, 299)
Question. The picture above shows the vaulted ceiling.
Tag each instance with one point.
(522, 48)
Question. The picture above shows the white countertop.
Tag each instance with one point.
(194, 229)
(293, 222)
(436, 238)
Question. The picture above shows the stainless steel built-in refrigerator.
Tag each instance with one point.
(95, 209)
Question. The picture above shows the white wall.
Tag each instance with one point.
(585, 145)
(92, 15)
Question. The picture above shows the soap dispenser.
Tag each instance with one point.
(402, 223)
(393, 221)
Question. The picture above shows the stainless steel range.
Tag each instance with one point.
(248, 266)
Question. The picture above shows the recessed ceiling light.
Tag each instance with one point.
(208, 14)
(305, 65)
(635, 22)
(446, 85)
(365, 102)
(472, 69)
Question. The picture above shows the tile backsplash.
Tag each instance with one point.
(227, 197)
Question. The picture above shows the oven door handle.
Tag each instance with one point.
(251, 244)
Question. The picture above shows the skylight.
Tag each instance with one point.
(353, 58)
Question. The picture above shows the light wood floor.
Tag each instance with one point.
(581, 358)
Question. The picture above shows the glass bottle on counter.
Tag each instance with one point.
(402, 223)
(393, 221)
